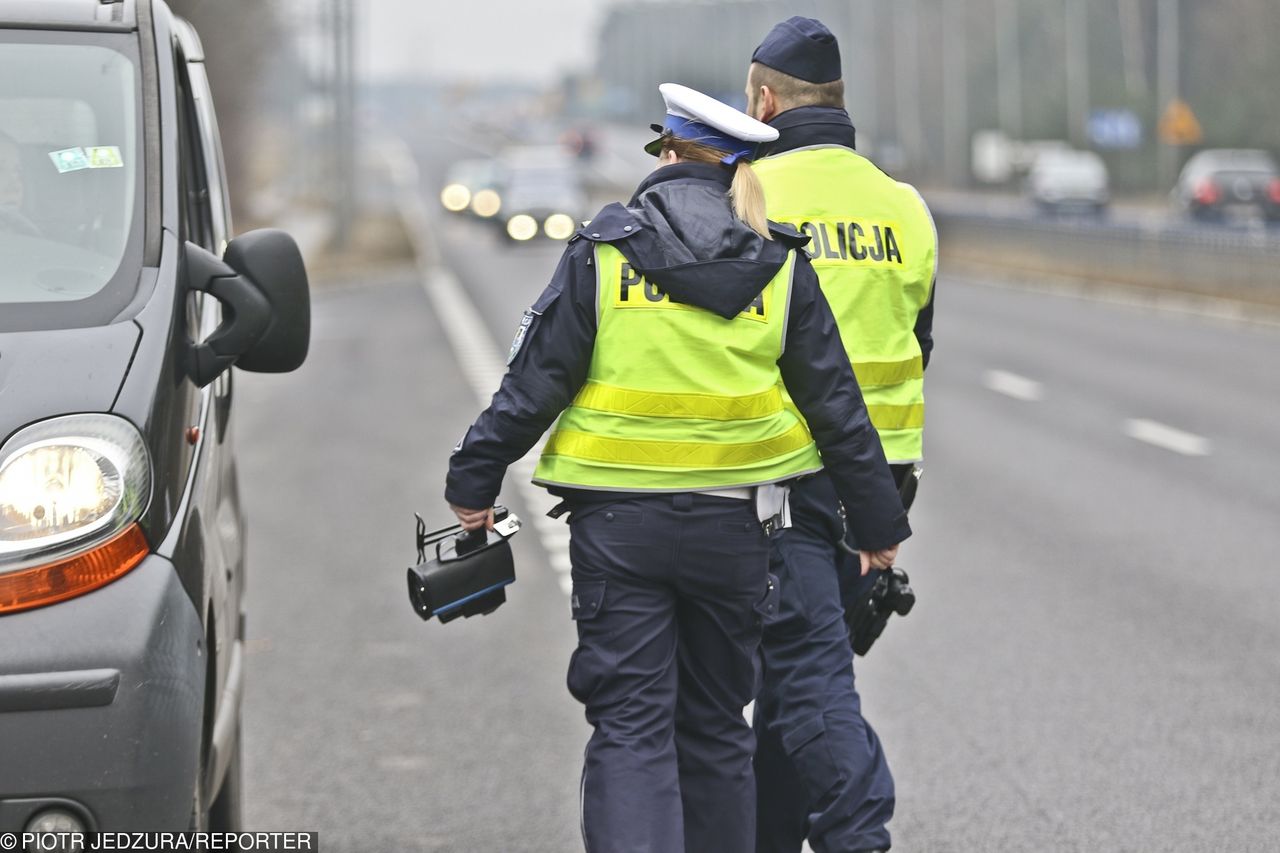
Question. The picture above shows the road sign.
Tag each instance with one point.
(1115, 129)
(1178, 125)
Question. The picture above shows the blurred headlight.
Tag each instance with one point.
(70, 487)
(486, 203)
(455, 198)
(50, 490)
(558, 226)
(522, 226)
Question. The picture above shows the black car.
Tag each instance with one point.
(123, 304)
(1221, 181)
(542, 194)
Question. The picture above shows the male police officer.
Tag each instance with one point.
(820, 769)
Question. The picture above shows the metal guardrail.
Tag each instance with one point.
(1241, 264)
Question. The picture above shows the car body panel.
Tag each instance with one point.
(54, 372)
(159, 398)
(131, 762)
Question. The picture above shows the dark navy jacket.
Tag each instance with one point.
(679, 231)
(803, 127)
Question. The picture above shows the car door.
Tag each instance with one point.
(214, 498)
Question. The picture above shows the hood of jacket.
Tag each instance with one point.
(680, 233)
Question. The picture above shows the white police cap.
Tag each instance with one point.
(697, 117)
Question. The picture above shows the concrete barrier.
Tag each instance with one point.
(1209, 261)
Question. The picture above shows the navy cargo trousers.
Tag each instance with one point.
(820, 771)
(669, 597)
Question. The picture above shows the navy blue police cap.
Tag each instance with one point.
(803, 48)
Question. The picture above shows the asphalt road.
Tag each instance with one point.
(1092, 663)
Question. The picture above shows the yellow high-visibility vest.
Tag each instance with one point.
(677, 398)
(874, 248)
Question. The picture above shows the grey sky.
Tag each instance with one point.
(477, 39)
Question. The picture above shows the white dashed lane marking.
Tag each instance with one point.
(479, 357)
(1013, 385)
(1147, 431)
(1167, 437)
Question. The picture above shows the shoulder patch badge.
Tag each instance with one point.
(521, 333)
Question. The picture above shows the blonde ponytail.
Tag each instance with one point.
(746, 192)
(748, 199)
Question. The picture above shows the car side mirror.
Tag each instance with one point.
(262, 285)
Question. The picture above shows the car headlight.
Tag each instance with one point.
(455, 198)
(486, 203)
(522, 227)
(559, 226)
(71, 491)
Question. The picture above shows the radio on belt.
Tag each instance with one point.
(469, 572)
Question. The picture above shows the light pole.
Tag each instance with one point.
(1135, 56)
(1167, 84)
(907, 61)
(1077, 60)
(1009, 67)
(956, 91)
(344, 130)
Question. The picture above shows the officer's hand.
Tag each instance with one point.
(878, 559)
(474, 519)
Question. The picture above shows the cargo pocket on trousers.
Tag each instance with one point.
(810, 752)
(587, 664)
(767, 607)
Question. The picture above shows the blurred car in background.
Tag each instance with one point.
(473, 186)
(1218, 182)
(1066, 180)
(543, 194)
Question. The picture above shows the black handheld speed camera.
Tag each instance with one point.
(467, 572)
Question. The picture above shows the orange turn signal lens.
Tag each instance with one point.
(67, 578)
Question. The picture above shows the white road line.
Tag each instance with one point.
(478, 355)
(1013, 385)
(1167, 437)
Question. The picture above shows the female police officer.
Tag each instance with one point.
(663, 339)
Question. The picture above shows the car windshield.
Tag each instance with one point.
(558, 190)
(474, 174)
(1216, 163)
(70, 178)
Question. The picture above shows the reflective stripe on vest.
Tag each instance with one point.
(675, 454)
(678, 398)
(608, 398)
(887, 417)
(874, 373)
(873, 246)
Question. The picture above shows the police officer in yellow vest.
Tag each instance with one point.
(662, 343)
(821, 773)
